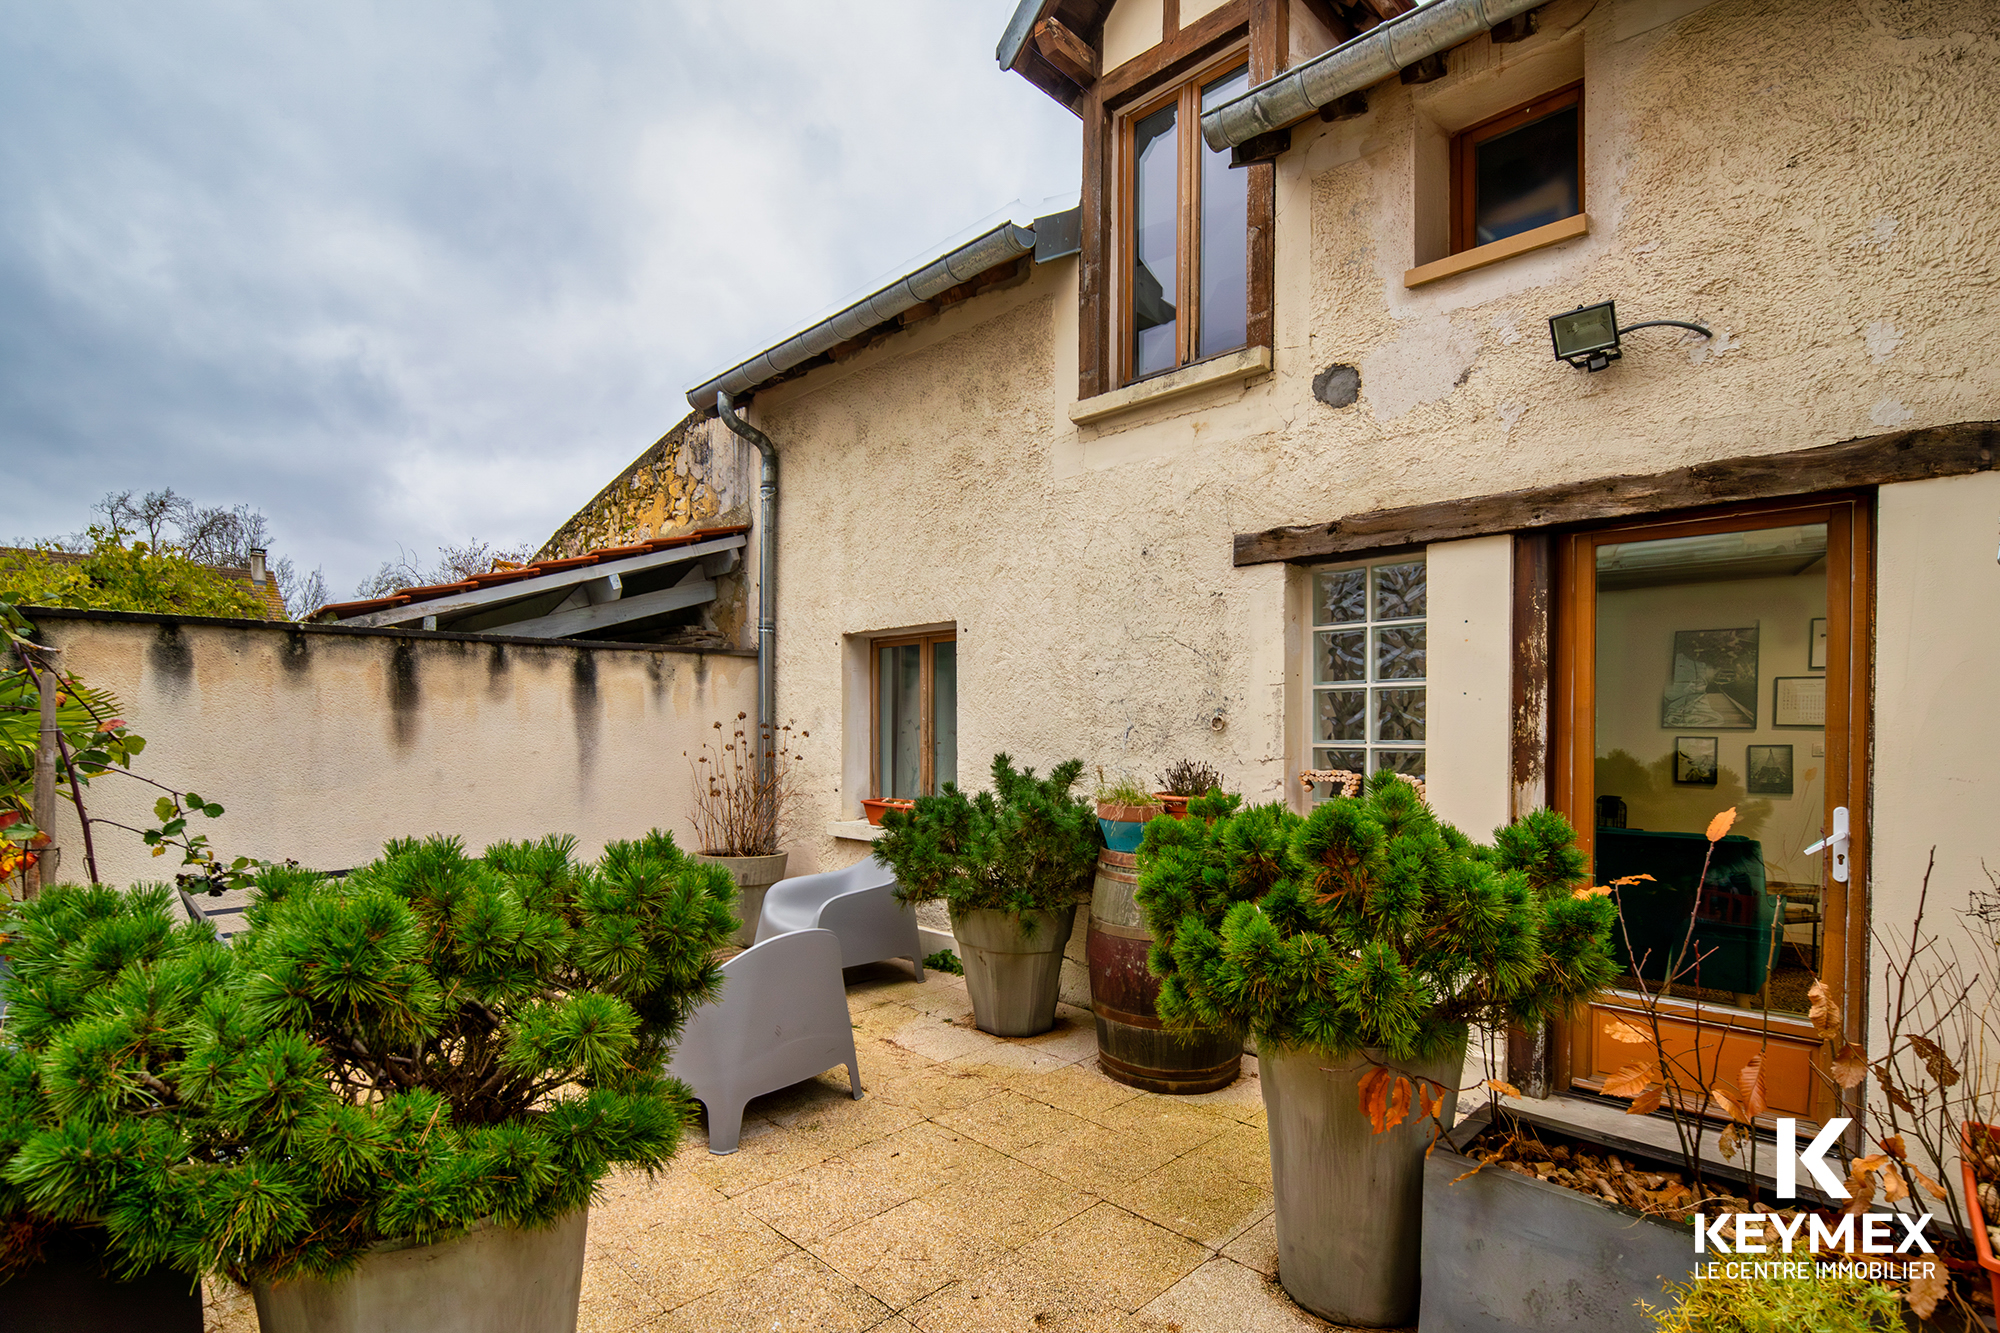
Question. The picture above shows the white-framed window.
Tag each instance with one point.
(1369, 653)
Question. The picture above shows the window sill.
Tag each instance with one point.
(854, 830)
(1482, 255)
(1231, 368)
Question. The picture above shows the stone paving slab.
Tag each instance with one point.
(980, 1184)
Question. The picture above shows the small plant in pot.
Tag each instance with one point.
(1184, 781)
(1011, 864)
(1123, 807)
(744, 789)
(394, 1096)
(1360, 944)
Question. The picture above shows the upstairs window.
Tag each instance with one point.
(1517, 171)
(916, 714)
(1185, 232)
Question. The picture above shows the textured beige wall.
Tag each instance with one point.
(1820, 201)
(1470, 638)
(1937, 726)
(321, 744)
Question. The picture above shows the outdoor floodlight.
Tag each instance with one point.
(1588, 335)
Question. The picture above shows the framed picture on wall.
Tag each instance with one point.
(1768, 769)
(1816, 645)
(1798, 701)
(1695, 760)
(1712, 682)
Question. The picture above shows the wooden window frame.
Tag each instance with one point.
(1185, 96)
(1465, 144)
(1263, 23)
(926, 707)
(1850, 520)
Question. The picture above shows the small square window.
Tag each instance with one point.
(1517, 171)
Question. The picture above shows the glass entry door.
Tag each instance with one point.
(1707, 666)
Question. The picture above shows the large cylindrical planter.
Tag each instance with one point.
(1349, 1201)
(753, 875)
(1132, 1046)
(492, 1280)
(1013, 965)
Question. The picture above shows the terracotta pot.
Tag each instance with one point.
(877, 806)
(1176, 805)
(1982, 1244)
(753, 875)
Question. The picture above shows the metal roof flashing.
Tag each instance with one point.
(998, 245)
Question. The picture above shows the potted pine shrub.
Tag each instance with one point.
(743, 790)
(1011, 864)
(1359, 944)
(72, 953)
(391, 1107)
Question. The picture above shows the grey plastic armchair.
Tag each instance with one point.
(781, 1018)
(858, 904)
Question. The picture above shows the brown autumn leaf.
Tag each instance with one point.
(1626, 1031)
(1751, 1084)
(1930, 1186)
(1645, 1103)
(1726, 1144)
(1718, 827)
(1625, 881)
(1399, 1103)
(1896, 1148)
(1928, 1287)
(1504, 1088)
(1580, 892)
(1632, 1079)
(1825, 1014)
(1850, 1066)
(1427, 1105)
(1862, 1186)
(1374, 1090)
(1869, 1165)
(1893, 1188)
(1727, 1103)
(1935, 1060)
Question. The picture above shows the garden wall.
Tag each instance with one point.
(321, 741)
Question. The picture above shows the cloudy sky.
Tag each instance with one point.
(414, 274)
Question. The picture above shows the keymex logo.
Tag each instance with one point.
(1807, 1236)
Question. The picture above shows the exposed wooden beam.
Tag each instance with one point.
(1879, 460)
(1067, 51)
(1517, 29)
(1351, 107)
(1186, 48)
(1331, 19)
(453, 604)
(1388, 9)
(1428, 70)
(566, 624)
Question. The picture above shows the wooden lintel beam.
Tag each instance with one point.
(1261, 148)
(1878, 460)
(1066, 51)
(1186, 48)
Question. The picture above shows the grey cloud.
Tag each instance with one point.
(417, 274)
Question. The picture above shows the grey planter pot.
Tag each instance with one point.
(1506, 1254)
(492, 1280)
(1013, 966)
(1349, 1201)
(753, 875)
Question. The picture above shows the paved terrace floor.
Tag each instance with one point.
(981, 1184)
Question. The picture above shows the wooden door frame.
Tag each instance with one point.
(1572, 660)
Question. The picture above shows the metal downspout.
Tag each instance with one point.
(767, 568)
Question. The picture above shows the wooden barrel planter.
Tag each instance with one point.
(1132, 1047)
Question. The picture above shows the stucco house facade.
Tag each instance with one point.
(1263, 455)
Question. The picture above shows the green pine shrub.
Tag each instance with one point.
(1369, 923)
(1030, 844)
(434, 1040)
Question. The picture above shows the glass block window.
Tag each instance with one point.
(1367, 673)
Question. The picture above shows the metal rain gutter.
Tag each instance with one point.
(767, 575)
(1006, 241)
(1382, 51)
(1019, 28)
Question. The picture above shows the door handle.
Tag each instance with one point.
(1835, 842)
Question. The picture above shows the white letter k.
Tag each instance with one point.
(1814, 1158)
